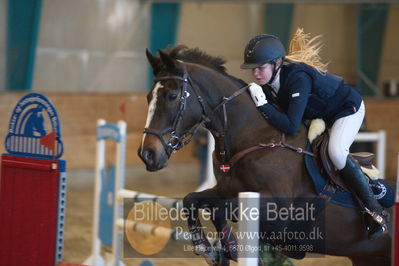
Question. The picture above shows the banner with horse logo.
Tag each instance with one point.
(34, 129)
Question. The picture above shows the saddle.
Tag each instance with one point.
(320, 148)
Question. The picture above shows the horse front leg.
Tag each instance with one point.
(221, 215)
(192, 203)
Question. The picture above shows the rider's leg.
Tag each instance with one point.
(342, 135)
(354, 177)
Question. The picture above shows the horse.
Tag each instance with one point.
(192, 89)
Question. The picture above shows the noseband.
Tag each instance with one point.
(176, 142)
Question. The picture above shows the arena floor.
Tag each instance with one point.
(77, 243)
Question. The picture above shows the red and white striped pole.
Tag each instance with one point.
(396, 222)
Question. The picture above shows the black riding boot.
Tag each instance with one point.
(355, 178)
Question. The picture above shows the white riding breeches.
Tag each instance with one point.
(342, 135)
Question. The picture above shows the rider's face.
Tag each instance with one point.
(263, 73)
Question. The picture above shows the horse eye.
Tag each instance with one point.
(172, 96)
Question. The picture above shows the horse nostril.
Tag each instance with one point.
(148, 156)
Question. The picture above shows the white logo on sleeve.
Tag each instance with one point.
(295, 95)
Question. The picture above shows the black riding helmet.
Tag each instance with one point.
(262, 49)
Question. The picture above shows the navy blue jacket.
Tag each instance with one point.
(305, 93)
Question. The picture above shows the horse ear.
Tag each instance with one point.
(154, 61)
(168, 60)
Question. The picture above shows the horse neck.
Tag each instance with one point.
(245, 125)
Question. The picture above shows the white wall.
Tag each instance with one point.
(92, 46)
(337, 25)
(98, 45)
(221, 29)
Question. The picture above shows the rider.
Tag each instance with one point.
(299, 85)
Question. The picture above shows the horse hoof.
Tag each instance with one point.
(223, 258)
(212, 258)
(223, 262)
(219, 261)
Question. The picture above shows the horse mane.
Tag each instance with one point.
(196, 56)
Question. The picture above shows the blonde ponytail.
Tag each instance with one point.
(303, 49)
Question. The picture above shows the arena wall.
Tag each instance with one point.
(79, 112)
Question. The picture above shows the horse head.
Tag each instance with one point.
(174, 112)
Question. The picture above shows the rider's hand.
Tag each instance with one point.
(257, 94)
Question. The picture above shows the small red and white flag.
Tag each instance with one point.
(225, 168)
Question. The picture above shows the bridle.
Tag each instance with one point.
(175, 141)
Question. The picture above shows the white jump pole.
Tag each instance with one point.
(249, 216)
(118, 134)
(95, 257)
(119, 184)
(210, 180)
(380, 138)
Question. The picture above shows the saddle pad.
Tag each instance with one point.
(338, 196)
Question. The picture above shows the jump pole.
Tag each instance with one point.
(248, 225)
(379, 137)
(210, 179)
(119, 184)
(116, 132)
(95, 258)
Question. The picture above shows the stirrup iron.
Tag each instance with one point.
(376, 216)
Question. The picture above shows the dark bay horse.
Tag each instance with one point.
(192, 89)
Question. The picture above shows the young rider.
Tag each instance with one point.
(299, 84)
